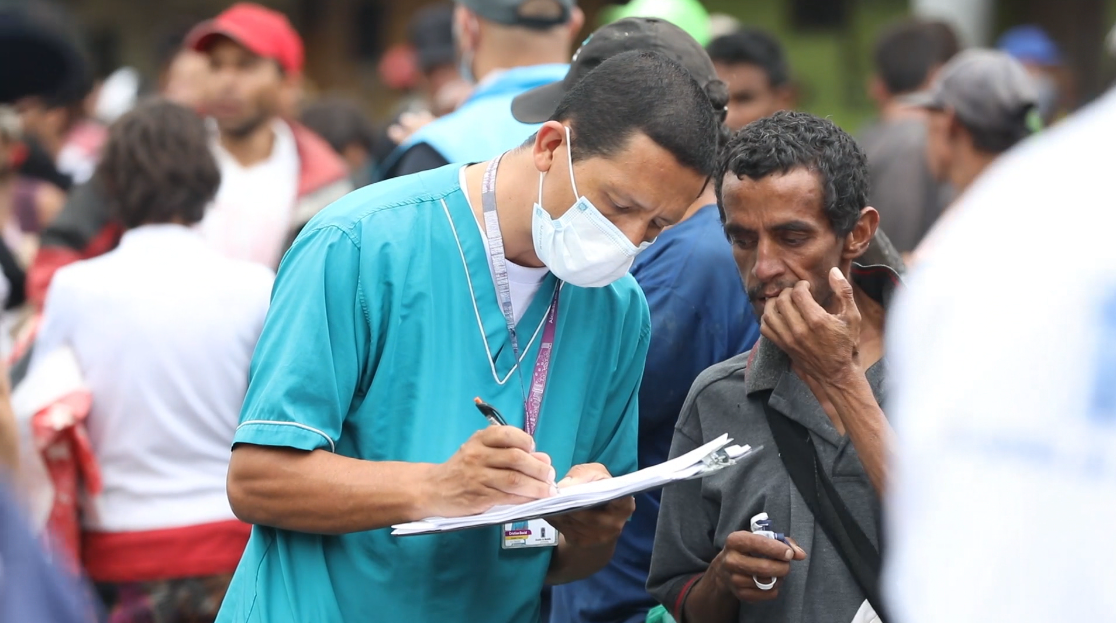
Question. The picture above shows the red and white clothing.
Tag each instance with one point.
(163, 328)
(250, 218)
(86, 227)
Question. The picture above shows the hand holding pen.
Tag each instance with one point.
(495, 418)
(497, 465)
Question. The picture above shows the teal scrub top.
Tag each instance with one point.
(384, 325)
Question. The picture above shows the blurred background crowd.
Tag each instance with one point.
(369, 73)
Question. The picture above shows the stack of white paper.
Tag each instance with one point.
(699, 463)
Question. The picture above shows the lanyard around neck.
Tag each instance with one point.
(532, 401)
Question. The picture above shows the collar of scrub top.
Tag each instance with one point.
(476, 307)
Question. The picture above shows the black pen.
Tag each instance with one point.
(490, 413)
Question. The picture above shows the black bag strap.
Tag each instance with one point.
(800, 457)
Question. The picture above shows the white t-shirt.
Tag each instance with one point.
(523, 281)
(163, 328)
(250, 217)
(1002, 506)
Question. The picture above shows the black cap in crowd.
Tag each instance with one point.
(38, 59)
(645, 34)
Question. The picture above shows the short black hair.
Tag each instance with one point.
(789, 140)
(341, 123)
(752, 46)
(157, 166)
(907, 51)
(643, 92)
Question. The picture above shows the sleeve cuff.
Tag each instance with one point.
(680, 601)
(284, 434)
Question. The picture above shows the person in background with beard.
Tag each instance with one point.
(275, 173)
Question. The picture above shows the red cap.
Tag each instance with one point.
(263, 31)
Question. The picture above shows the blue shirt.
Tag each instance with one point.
(700, 316)
(33, 588)
(384, 326)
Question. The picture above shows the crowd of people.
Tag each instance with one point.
(244, 328)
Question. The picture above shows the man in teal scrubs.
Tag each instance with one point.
(391, 313)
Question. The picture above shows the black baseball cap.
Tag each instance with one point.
(645, 34)
(510, 12)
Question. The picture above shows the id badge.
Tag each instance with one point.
(533, 533)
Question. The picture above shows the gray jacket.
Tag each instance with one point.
(697, 516)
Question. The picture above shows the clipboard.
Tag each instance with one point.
(698, 463)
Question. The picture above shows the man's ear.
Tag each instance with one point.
(465, 29)
(577, 20)
(550, 137)
(293, 81)
(877, 90)
(956, 129)
(931, 76)
(291, 93)
(856, 243)
(787, 96)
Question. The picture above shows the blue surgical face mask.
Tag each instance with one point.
(465, 68)
(581, 247)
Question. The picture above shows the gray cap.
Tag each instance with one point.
(987, 89)
(510, 12)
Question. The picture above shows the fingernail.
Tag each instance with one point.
(552, 475)
(790, 554)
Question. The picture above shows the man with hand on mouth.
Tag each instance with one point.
(792, 189)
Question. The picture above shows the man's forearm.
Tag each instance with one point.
(571, 563)
(709, 603)
(323, 493)
(865, 422)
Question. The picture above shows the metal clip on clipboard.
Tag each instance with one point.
(725, 457)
